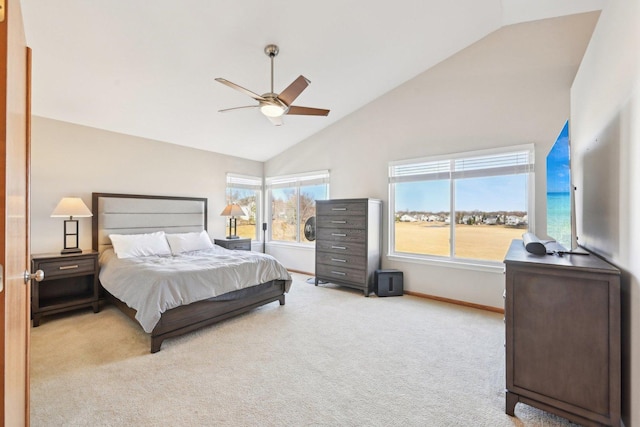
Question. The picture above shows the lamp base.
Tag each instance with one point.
(71, 251)
(233, 237)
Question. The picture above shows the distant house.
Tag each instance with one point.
(471, 219)
(514, 220)
(491, 220)
(407, 218)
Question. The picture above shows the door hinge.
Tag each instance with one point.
(1, 277)
(1, 10)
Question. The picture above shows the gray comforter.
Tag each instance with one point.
(153, 284)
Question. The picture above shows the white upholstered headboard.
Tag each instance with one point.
(137, 214)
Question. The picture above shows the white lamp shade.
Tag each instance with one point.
(71, 206)
(233, 210)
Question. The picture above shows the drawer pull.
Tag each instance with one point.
(338, 222)
(338, 260)
(339, 234)
(339, 273)
(68, 267)
(338, 209)
(339, 247)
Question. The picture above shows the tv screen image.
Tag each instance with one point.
(559, 191)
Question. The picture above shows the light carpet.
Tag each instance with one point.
(329, 357)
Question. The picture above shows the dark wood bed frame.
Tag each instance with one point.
(188, 318)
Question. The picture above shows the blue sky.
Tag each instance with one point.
(482, 194)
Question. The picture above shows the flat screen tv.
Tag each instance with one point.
(560, 203)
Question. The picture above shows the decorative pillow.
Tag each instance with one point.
(187, 242)
(137, 245)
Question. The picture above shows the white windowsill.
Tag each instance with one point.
(293, 245)
(449, 263)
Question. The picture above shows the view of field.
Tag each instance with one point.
(478, 241)
(286, 232)
(246, 229)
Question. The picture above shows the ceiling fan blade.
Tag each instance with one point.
(294, 90)
(237, 108)
(240, 88)
(277, 121)
(307, 111)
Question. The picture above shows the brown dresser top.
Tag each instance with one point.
(517, 254)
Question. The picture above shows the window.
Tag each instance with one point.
(246, 191)
(293, 201)
(466, 206)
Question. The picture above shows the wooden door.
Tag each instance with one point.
(14, 214)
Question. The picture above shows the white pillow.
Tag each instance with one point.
(187, 242)
(136, 245)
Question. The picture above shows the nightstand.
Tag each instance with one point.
(236, 244)
(70, 282)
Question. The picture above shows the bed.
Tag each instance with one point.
(141, 215)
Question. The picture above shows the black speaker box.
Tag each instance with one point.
(388, 283)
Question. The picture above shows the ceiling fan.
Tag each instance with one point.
(272, 105)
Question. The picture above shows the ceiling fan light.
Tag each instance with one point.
(270, 110)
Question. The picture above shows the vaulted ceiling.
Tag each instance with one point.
(147, 68)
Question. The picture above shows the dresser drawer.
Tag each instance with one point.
(341, 208)
(332, 246)
(341, 235)
(342, 221)
(66, 268)
(342, 260)
(341, 274)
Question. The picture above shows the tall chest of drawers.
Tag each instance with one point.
(348, 242)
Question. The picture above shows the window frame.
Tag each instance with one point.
(247, 182)
(452, 175)
(297, 181)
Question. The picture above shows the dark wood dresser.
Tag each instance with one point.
(562, 316)
(348, 242)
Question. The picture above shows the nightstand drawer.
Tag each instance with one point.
(243, 244)
(239, 246)
(67, 267)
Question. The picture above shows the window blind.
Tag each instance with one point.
(247, 182)
(508, 163)
(311, 178)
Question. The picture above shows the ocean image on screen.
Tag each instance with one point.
(559, 190)
(559, 217)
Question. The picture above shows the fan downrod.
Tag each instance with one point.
(271, 50)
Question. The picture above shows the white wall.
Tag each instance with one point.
(73, 160)
(514, 11)
(510, 88)
(605, 151)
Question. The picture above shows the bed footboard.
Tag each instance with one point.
(187, 318)
(204, 313)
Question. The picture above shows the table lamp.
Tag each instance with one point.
(71, 207)
(232, 211)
